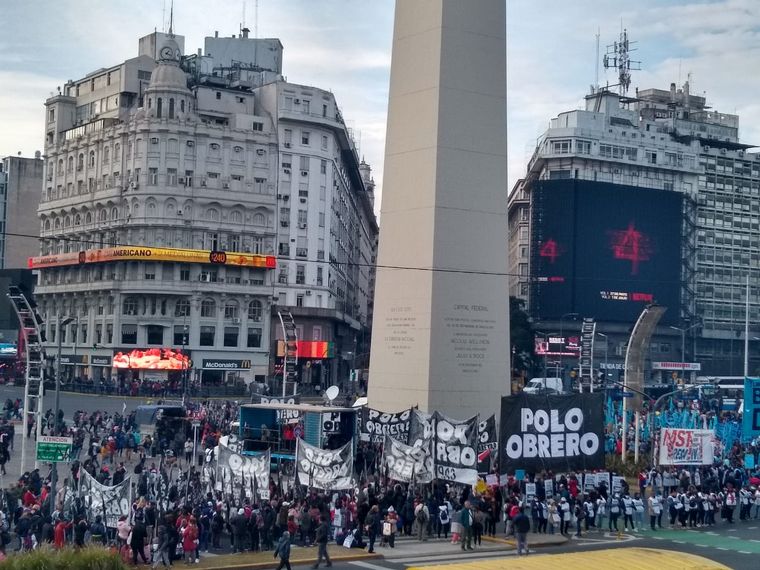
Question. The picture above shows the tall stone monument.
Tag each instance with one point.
(440, 335)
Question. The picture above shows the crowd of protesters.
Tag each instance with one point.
(190, 517)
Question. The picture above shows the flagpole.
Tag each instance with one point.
(746, 330)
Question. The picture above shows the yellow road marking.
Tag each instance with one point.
(619, 559)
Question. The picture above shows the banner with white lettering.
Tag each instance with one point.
(455, 449)
(420, 427)
(686, 446)
(375, 425)
(111, 503)
(238, 473)
(407, 464)
(487, 436)
(543, 432)
(327, 469)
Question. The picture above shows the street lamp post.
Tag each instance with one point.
(564, 344)
(61, 323)
(683, 332)
(606, 356)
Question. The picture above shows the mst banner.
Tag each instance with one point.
(551, 432)
(376, 425)
(324, 468)
(236, 472)
(686, 446)
(455, 449)
(108, 502)
(407, 464)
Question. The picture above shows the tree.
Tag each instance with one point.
(521, 336)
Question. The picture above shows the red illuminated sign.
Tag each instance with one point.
(631, 245)
(152, 359)
(551, 250)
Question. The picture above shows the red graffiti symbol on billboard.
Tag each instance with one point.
(550, 250)
(631, 245)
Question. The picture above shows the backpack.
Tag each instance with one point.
(421, 516)
(443, 516)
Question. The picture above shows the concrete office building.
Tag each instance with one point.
(668, 140)
(163, 213)
(20, 182)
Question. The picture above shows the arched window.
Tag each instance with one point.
(47, 225)
(114, 213)
(102, 215)
(80, 161)
(150, 209)
(171, 108)
(67, 222)
(71, 164)
(208, 308)
(58, 223)
(60, 166)
(182, 105)
(77, 220)
(150, 102)
(171, 209)
(116, 151)
(254, 311)
(106, 155)
(236, 217)
(259, 219)
(159, 107)
(212, 215)
(182, 308)
(88, 218)
(231, 309)
(129, 307)
(91, 162)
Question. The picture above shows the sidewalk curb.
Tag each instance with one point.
(268, 565)
(513, 543)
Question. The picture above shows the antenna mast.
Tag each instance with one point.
(596, 76)
(171, 19)
(618, 57)
(256, 19)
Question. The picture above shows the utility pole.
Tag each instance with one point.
(54, 473)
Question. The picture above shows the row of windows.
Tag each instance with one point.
(231, 308)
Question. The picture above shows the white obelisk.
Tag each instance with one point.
(440, 335)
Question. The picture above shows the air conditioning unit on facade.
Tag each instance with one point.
(286, 170)
(205, 277)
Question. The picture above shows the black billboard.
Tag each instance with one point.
(605, 251)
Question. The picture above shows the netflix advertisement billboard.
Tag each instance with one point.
(604, 250)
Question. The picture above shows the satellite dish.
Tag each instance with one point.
(332, 392)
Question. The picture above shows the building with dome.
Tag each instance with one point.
(185, 206)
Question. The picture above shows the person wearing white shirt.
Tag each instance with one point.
(628, 512)
(655, 511)
(638, 511)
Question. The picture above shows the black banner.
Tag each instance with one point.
(487, 436)
(375, 425)
(560, 433)
(421, 427)
(455, 449)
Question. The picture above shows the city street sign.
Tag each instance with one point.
(52, 449)
(627, 394)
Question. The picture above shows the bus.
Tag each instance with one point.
(730, 390)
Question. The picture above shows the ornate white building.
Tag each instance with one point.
(176, 214)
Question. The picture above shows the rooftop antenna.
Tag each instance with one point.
(618, 57)
(256, 19)
(163, 18)
(171, 19)
(596, 76)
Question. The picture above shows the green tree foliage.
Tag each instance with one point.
(521, 335)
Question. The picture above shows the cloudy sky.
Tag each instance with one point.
(344, 46)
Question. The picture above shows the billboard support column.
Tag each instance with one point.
(637, 419)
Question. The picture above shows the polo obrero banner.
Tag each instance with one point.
(551, 432)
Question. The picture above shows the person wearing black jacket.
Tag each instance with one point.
(162, 547)
(323, 531)
(137, 543)
(521, 525)
(373, 527)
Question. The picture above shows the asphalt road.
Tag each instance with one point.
(736, 546)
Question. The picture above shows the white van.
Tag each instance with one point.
(544, 386)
